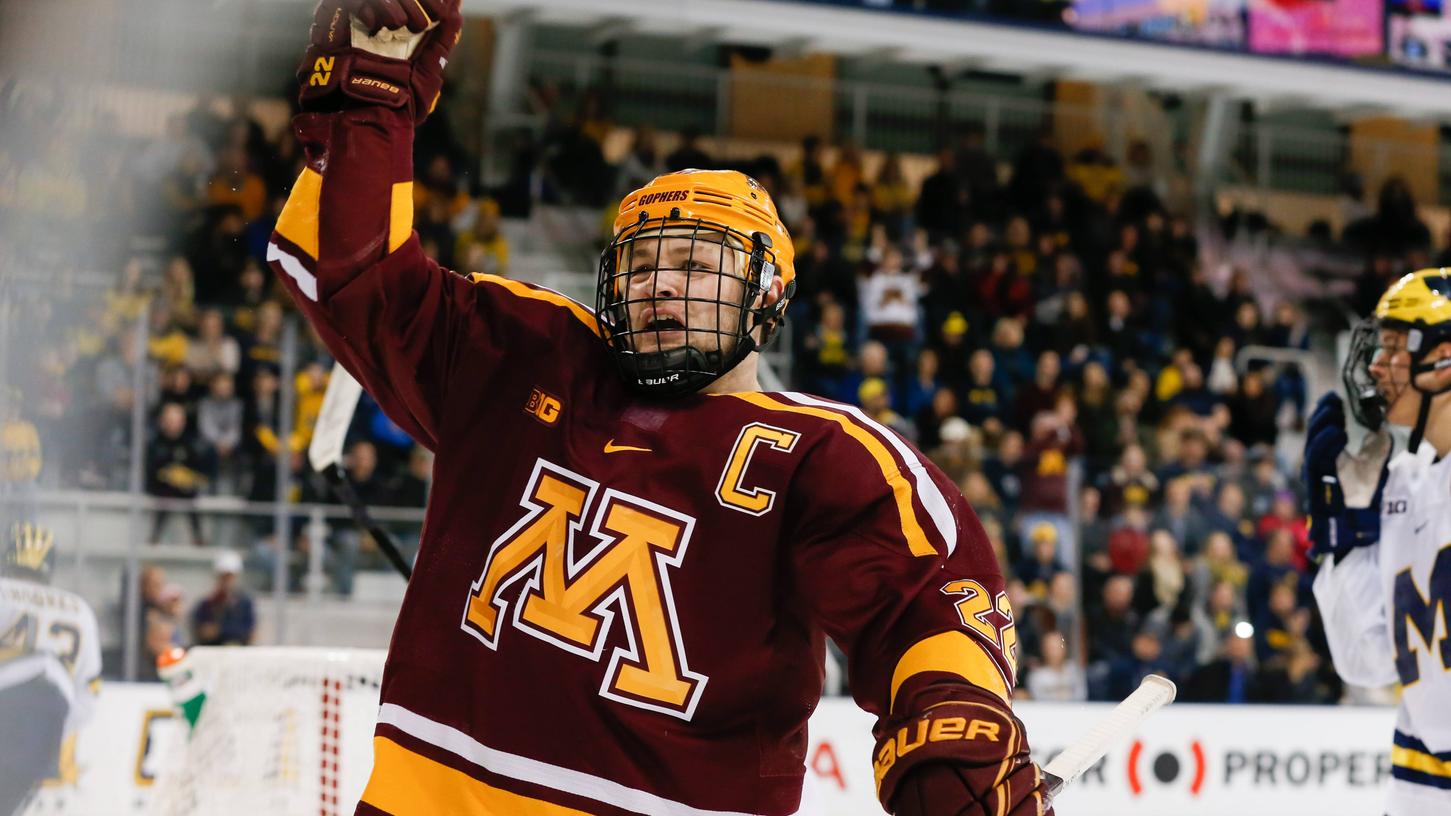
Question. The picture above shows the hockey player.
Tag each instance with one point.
(632, 556)
(1383, 527)
(50, 665)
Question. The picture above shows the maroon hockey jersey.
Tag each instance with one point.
(619, 605)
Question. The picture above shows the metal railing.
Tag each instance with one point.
(874, 115)
(915, 119)
(102, 549)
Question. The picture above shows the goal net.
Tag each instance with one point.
(282, 731)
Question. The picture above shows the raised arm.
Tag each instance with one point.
(1345, 498)
(344, 245)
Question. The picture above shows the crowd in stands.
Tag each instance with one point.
(183, 219)
(1039, 324)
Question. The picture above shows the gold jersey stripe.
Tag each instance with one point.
(298, 220)
(400, 215)
(955, 653)
(521, 290)
(1414, 760)
(901, 488)
(404, 783)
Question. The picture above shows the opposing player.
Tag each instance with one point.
(632, 556)
(1383, 527)
(50, 665)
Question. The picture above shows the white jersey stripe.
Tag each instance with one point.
(306, 281)
(932, 499)
(533, 771)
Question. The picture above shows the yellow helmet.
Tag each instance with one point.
(1418, 300)
(1419, 303)
(717, 210)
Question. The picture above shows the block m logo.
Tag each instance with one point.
(1412, 612)
(570, 598)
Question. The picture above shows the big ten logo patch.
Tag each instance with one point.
(543, 407)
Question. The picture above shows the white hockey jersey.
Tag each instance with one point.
(49, 631)
(1387, 612)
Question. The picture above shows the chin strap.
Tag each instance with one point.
(1423, 415)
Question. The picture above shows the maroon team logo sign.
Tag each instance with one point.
(1167, 767)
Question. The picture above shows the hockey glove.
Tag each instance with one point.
(965, 755)
(378, 52)
(1345, 489)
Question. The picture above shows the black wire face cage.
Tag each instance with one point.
(1366, 403)
(674, 301)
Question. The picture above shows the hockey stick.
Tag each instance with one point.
(326, 454)
(1120, 724)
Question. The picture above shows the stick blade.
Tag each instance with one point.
(333, 420)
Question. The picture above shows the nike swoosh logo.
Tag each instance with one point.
(611, 447)
(1422, 527)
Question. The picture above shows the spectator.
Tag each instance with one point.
(1128, 541)
(248, 296)
(1228, 516)
(1280, 625)
(828, 357)
(984, 404)
(846, 178)
(1191, 462)
(1229, 679)
(1058, 679)
(949, 440)
(226, 617)
(1037, 170)
(1040, 395)
(1285, 515)
(982, 499)
(213, 351)
(1223, 380)
(481, 247)
(1044, 474)
(220, 420)
(1217, 563)
(1160, 585)
(1253, 411)
(1264, 483)
(1182, 635)
(1299, 678)
(892, 199)
(889, 308)
(178, 293)
(1146, 657)
(1129, 483)
(234, 184)
(1002, 471)
(1043, 563)
(1180, 518)
(175, 468)
(1011, 360)
(413, 485)
(641, 162)
(942, 202)
(977, 172)
(920, 394)
(373, 489)
(876, 402)
(688, 155)
(1114, 622)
